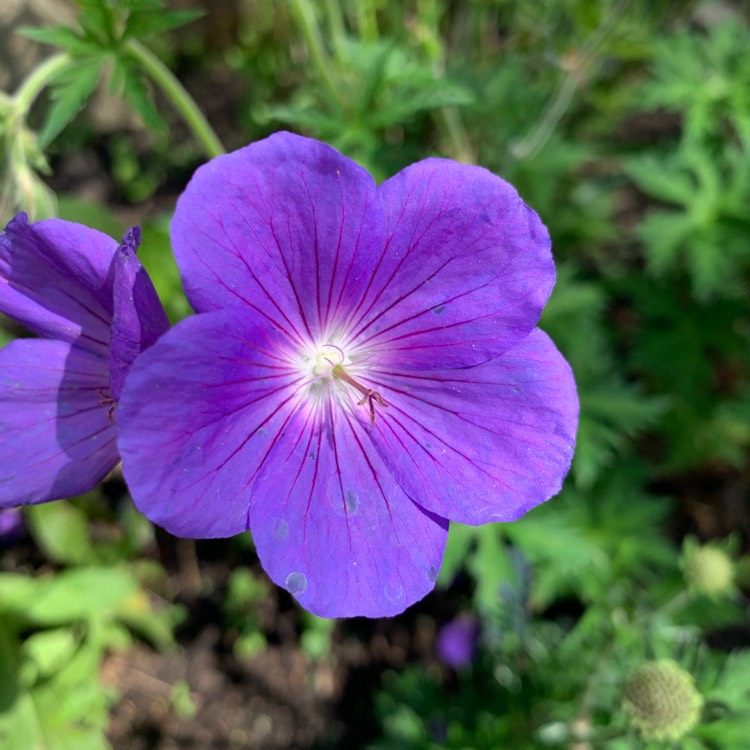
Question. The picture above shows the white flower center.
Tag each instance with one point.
(327, 357)
(331, 373)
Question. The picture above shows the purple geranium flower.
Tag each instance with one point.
(366, 366)
(96, 308)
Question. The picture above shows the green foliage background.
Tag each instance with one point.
(626, 125)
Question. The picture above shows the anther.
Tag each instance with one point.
(107, 400)
(369, 395)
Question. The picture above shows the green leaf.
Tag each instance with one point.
(17, 592)
(156, 255)
(137, 612)
(97, 19)
(68, 708)
(61, 531)
(491, 568)
(19, 727)
(70, 91)
(705, 76)
(182, 701)
(66, 597)
(63, 37)
(659, 177)
(731, 729)
(728, 733)
(10, 660)
(561, 553)
(663, 233)
(72, 708)
(573, 317)
(460, 539)
(127, 76)
(145, 24)
(315, 640)
(612, 413)
(732, 687)
(48, 651)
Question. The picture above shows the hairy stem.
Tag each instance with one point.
(311, 32)
(336, 27)
(37, 81)
(178, 95)
(463, 151)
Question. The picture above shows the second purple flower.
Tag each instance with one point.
(366, 366)
(95, 309)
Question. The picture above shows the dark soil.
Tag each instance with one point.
(279, 698)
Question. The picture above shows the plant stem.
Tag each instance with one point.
(676, 602)
(178, 95)
(367, 21)
(463, 150)
(189, 568)
(320, 59)
(533, 142)
(336, 27)
(37, 80)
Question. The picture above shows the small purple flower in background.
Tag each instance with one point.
(12, 526)
(457, 642)
(96, 309)
(365, 367)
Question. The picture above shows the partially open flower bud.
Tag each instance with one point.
(661, 701)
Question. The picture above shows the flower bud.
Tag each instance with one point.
(708, 570)
(661, 701)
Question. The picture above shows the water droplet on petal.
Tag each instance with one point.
(282, 529)
(432, 573)
(296, 583)
(393, 591)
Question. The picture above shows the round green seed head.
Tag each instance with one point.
(661, 701)
(709, 570)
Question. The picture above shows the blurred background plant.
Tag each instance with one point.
(626, 125)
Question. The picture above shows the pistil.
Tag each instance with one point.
(369, 395)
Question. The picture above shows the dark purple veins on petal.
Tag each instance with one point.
(54, 280)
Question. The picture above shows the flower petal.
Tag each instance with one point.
(213, 420)
(138, 318)
(56, 438)
(198, 413)
(54, 280)
(484, 443)
(287, 226)
(332, 527)
(465, 271)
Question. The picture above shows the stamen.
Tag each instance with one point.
(369, 395)
(107, 400)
